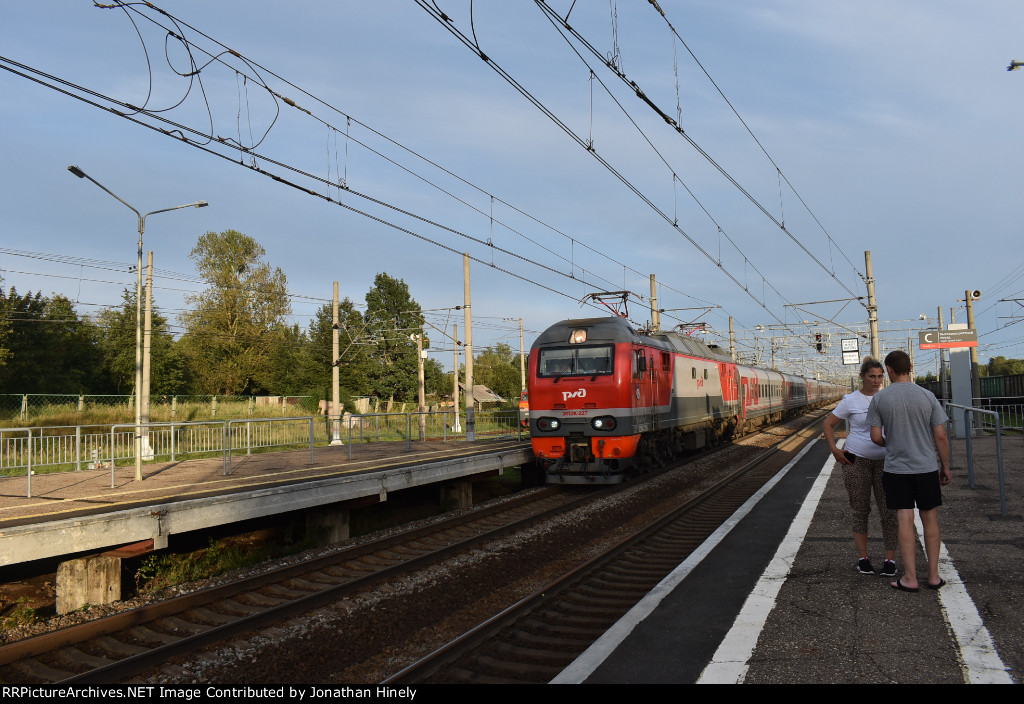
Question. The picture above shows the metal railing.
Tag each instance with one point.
(17, 448)
(429, 425)
(171, 439)
(1009, 415)
(48, 447)
(969, 414)
(261, 433)
(24, 451)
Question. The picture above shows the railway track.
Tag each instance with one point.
(534, 640)
(123, 645)
(135, 644)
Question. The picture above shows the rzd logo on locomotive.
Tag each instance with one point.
(579, 393)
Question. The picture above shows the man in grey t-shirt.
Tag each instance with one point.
(916, 463)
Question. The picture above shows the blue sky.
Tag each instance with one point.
(894, 124)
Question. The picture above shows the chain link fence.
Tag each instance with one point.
(66, 409)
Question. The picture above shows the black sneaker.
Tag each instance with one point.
(864, 566)
(888, 569)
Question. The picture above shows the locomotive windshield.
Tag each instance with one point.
(576, 361)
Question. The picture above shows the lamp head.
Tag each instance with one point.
(76, 171)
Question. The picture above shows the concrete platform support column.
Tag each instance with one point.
(88, 580)
(457, 494)
(331, 525)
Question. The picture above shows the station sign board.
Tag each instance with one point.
(947, 339)
(851, 350)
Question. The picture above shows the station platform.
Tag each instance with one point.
(774, 596)
(77, 511)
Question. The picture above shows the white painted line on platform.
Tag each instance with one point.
(730, 662)
(981, 663)
(979, 659)
(581, 668)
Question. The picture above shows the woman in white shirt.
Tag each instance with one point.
(862, 462)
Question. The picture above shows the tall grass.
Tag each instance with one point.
(67, 414)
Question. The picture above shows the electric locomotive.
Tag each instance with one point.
(606, 399)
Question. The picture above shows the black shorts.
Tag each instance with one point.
(903, 490)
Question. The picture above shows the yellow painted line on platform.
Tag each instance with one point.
(263, 482)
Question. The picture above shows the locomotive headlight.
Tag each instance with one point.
(548, 424)
(603, 423)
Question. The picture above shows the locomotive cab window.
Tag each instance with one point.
(576, 361)
(639, 364)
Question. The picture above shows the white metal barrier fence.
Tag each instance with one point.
(1010, 417)
(25, 451)
(431, 425)
(994, 418)
(267, 433)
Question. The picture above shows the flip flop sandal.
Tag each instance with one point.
(898, 584)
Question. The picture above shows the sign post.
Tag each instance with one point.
(958, 339)
(957, 336)
(851, 350)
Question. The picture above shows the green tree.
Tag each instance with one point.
(436, 381)
(353, 348)
(498, 368)
(5, 327)
(233, 326)
(392, 315)
(116, 342)
(70, 356)
(1000, 366)
(50, 348)
(291, 369)
(21, 373)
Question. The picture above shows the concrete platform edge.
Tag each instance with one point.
(157, 521)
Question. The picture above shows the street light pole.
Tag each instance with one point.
(422, 408)
(138, 313)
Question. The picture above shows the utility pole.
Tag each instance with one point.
(943, 374)
(969, 296)
(732, 341)
(147, 350)
(522, 359)
(655, 313)
(872, 308)
(335, 374)
(419, 373)
(942, 363)
(470, 396)
(455, 379)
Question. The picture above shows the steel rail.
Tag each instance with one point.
(473, 641)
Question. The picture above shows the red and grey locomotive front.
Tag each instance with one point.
(583, 421)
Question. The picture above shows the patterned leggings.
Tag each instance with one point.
(863, 477)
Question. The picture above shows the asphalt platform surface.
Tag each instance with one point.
(833, 625)
(777, 599)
